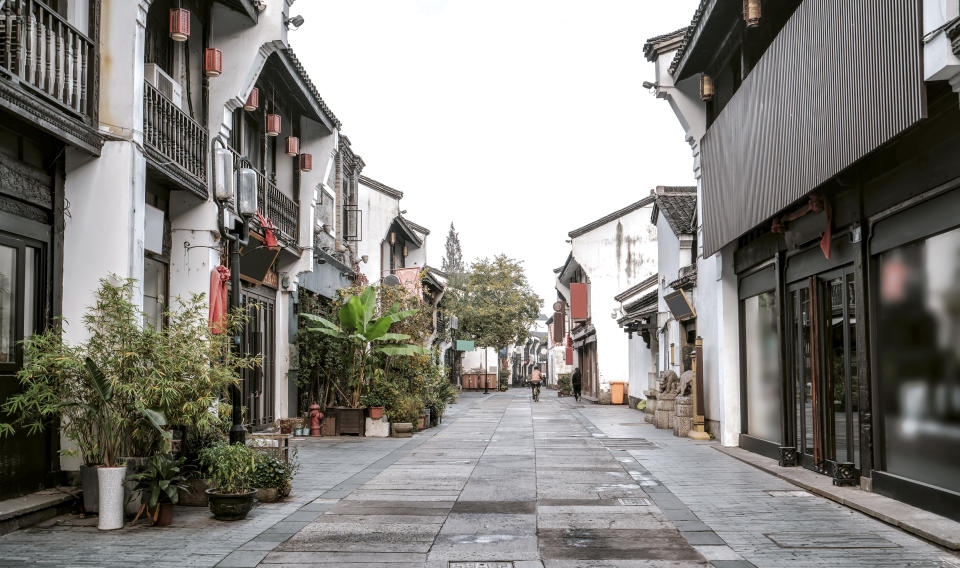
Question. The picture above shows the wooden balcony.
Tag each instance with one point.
(51, 70)
(175, 144)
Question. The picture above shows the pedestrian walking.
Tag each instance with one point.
(577, 380)
(536, 378)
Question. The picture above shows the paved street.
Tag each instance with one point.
(503, 480)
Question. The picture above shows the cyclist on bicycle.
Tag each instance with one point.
(536, 378)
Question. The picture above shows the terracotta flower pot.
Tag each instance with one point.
(376, 412)
(165, 515)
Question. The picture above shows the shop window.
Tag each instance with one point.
(918, 359)
(762, 357)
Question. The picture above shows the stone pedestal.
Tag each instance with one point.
(378, 428)
(402, 429)
(666, 410)
(684, 416)
(651, 410)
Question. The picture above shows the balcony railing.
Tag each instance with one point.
(171, 133)
(41, 49)
(273, 204)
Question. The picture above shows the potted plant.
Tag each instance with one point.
(161, 483)
(231, 468)
(374, 402)
(272, 477)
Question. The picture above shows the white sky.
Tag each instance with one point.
(517, 120)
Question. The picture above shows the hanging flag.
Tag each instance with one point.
(269, 238)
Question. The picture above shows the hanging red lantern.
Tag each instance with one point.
(273, 125)
(253, 100)
(179, 24)
(212, 62)
(293, 146)
(306, 162)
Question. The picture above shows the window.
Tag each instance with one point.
(918, 359)
(762, 358)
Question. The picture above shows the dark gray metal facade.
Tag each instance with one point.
(841, 78)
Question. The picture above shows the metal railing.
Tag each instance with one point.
(46, 53)
(273, 204)
(175, 136)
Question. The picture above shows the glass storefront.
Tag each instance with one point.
(762, 357)
(918, 359)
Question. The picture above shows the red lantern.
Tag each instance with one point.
(306, 162)
(212, 62)
(293, 146)
(273, 124)
(179, 24)
(253, 101)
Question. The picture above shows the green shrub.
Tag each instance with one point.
(407, 409)
(273, 473)
(230, 467)
(565, 383)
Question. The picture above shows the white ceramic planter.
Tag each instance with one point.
(110, 485)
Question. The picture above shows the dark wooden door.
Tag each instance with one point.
(25, 461)
(259, 337)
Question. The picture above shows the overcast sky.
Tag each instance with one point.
(517, 120)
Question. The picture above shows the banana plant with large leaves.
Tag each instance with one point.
(367, 334)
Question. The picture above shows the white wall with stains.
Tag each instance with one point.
(615, 256)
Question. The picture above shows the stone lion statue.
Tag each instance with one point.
(686, 383)
(669, 382)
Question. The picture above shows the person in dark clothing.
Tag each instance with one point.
(577, 380)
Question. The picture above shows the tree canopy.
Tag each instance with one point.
(496, 305)
(453, 257)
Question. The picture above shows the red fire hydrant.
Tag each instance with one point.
(315, 416)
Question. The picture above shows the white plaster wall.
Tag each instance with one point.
(283, 348)
(640, 363)
(939, 61)
(379, 211)
(615, 256)
(195, 223)
(418, 256)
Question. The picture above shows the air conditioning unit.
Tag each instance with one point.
(163, 83)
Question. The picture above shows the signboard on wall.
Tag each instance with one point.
(465, 345)
(578, 301)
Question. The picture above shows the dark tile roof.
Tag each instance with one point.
(611, 217)
(309, 83)
(690, 32)
(658, 44)
(633, 290)
(678, 205)
(382, 188)
(646, 304)
(418, 228)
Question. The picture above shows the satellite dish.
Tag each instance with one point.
(391, 280)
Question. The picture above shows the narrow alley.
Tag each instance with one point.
(508, 482)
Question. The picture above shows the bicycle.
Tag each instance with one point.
(536, 392)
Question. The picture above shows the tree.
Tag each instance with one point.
(496, 306)
(367, 335)
(453, 259)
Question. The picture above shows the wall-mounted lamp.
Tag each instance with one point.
(751, 13)
(393, 238)
(306, 162)
(706, 88)
(405, 251)
(293, 23)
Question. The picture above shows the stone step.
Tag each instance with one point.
(29, 510)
